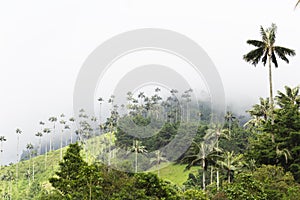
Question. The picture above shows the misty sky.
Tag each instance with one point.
(43, 45)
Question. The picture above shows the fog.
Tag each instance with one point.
(44, 44)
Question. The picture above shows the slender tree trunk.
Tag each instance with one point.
(211, 174)
(271, 96)
(218, 181)
(1, 153)
(46, 155)
(17, 166)
(203, 174)
(33, 170)
(229, 176)
(61, 133)
(271, 84)
(136, 164)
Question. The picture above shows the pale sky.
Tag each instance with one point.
(43, 45)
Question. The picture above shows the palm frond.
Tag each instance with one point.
(272, 33)
(254, 56)
(263, 34)
(264, 59)
(274, 60)
(297, 4)
(256, 43)
(282, 51)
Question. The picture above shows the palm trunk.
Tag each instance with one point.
(46, 155)
(218, 182)
(203, 174)
(271, 96)
(33, 170)
(228, 176)
(60, 158)
(17, 166)
(136, 164)
(271, 84)
(211, 174)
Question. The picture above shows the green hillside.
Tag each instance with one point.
(28, 186)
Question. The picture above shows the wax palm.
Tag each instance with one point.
(18, 132)
(63, 123)
(39, 135)
(72, 120)
(159, 158)
(137, 148)
(53, 120)
(229, 118)
(267, 51)
(29, 148)
(2, 139)
(230, 163)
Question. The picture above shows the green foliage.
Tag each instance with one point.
(75, 178)
(192, 194)
(276, 183)
(245, 186)
(278, 143)
(155, 187)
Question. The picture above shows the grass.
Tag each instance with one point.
(174, 173)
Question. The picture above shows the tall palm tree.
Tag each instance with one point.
(63, 123)
(72, 120)
(53, 120)
(46, 131)
(2, 139)
(18, 132)
(267, 51)
(137, 148)
(231, 163)
(39, 135)
(216, 131)
(159, 158)
(29, 148)
(67, 127)
(202, 152)
(100, 99)
(229, 118)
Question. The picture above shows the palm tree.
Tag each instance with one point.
(53, 120)
(72, 120)
(229, 118)
(216, 131)
(266, 50)
(29, 148)
(100, 99)
(201, 155)
(40, 135)
(18, 132)
(67, 127)
(63, 123)
(159, 158)
(230, 163)
(46, 131)
(2, 139)
(137, 148)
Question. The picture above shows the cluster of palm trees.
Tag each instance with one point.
(208, 153)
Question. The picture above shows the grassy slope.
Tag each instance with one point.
(43, 171)
(174, 172)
